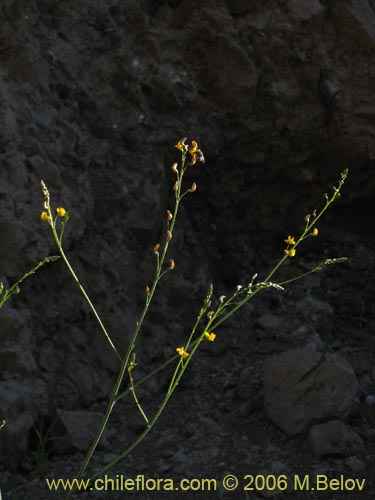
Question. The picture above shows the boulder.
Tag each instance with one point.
(303, 387)
(334, 438)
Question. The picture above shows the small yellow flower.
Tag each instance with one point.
(45, 216)
(181, 351)
(196, 153)
(194, 147)
(291, 252)
(290, 240)
(315, 231)
(210, 336)
(60, 211)
(181, 146)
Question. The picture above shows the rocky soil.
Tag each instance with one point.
(279, 95)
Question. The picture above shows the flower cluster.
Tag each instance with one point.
(290, 251)
(195, 153)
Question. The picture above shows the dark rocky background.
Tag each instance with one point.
(280, 96)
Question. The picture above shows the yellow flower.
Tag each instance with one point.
(196, 153)
(210, 336)
(291, 252)
(194, 147)
(290, 240)
(181, 146)
(45, 216)
(315, 231)
(181, 351)
(60, 211)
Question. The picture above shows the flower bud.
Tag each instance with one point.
(147, 290)
(175, 186)
(60, 211)
(169, 215)
(156, 248)
(193, 187)
(171, 264)
(169, 235)
(315, 231)
(174, 168)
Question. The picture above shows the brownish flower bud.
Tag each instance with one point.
(147, 290)
(193, 187)
(174, 168)
(171, 264)
(169, 215)
(175, 186)
(156, 248)
(169, 235)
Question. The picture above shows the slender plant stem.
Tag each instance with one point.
(87, 298)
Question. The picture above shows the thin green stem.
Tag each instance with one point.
(87, 298)
(132, 390)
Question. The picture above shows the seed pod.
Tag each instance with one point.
(169, 215)
(169, 235)
(174, 168)
(156, 248)
(193, 187)
(171, 264)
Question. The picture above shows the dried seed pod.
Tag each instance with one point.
(156, 248)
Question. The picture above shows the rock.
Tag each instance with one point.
(19, 408)
(315, 312)
(13, 324)
(355, 464)
(334, 438)
(77, 429)
(17, 360)
(355, 18)
(303, 387)
(271, 322)
(301, 10)
(13, 242)
(308, 336)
